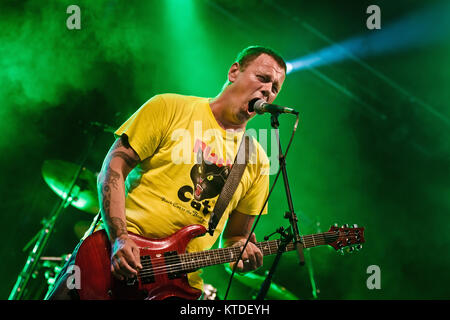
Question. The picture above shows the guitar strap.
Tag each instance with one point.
(234, 177)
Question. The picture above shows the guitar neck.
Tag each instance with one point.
(197, 260)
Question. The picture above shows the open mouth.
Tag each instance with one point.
(251, 103)
(198, 190)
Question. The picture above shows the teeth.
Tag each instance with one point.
(198, 190)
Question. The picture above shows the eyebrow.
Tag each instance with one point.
(269, 77)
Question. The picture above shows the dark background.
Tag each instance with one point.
(372, 146)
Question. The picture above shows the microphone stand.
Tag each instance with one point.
(293, 232)
(41, 239)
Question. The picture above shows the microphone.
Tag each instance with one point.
(260, 107)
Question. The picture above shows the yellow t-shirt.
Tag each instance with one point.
(186, 158)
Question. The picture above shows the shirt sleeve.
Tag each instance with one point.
(147, 127)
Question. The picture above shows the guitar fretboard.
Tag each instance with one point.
(197, 260)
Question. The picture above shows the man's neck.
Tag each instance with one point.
(219, 106)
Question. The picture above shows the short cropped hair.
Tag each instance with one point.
(246, 56)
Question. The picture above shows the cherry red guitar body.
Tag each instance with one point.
(97, 283)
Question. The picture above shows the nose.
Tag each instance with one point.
(265, 93)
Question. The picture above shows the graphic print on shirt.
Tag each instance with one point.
(208, 180)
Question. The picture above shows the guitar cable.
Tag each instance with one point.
(262, 209)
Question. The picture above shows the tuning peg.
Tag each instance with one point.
(355, 225)
(336, 225)
(359, 247)
(345, 226)
(341, 251)
(351, 249)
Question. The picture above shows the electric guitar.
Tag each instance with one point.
(166, 263)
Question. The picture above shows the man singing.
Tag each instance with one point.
(149, 185)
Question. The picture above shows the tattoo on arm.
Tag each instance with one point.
(109, 181)
(116, 226)
(131, 162)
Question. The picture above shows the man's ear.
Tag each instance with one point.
(233, 72)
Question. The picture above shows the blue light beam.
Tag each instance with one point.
(417, 29)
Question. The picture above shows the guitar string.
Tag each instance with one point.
(180, 266)
(223, 256)
(199, 257)
(173, 267)
(307, 241)
(220, 251)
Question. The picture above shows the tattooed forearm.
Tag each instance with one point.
(111, 180)
(108, 184)
(120, 159)
(117, 227)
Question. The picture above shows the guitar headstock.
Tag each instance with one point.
(345, 236)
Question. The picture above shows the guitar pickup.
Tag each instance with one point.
(146, 275)
(173, 264)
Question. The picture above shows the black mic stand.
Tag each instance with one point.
(42, 238)
(293, 232)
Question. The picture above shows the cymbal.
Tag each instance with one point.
(59, 175)
(255, 281)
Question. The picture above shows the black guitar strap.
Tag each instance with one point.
(234, 177)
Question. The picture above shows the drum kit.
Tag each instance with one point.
(58, 175)
(76, 186)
